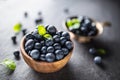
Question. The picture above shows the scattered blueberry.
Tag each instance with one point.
(92, 51)
(25, 14)
(14, 39)
(98, 60)
(16, 54)
(38, 21)
(24, 31)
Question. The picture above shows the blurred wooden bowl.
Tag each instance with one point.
(85, 39)
(41, 66)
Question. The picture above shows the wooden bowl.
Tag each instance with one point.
(85, 39)
(41, 66)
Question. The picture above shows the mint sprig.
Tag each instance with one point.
(17, 27)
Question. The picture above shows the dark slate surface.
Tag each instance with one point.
(81, 65)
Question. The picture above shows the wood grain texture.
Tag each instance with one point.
(41, 66)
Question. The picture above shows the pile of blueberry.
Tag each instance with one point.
(82, 26)
(45, 43)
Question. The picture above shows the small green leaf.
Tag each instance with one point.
(10, 64)
(41, 30)
(75, 21)
(76, 26)
(47, 36)
(101, 51)
(69, 23)
(17, 27)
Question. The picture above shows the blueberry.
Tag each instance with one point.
(65, 51)
(29, 36)
(63, 40)
(25, 14)
(42, 43)
(29, 44)
(66, 35)
(37, 46)
(69, 44)
(92, 51)
(38, 21)
(50, 49)
(98, 60)
(59, 33)
(16, 54)
(92, 33)
(24, 31)
(56, 38)
(50, 57)
(44, 49)
(51, 29)
(59, 54)
(49, 42)
(37, 36)
(14, 39)
(42, 57)
(35, 54)
(57, 46)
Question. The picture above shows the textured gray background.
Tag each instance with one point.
(81, 65)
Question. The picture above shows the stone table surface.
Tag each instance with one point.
(81, 65)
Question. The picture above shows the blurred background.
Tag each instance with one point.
(54, 12)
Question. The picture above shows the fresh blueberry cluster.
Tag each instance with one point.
(48, 44)
(82, 26)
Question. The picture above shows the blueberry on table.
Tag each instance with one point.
(51, 29)
(50, 57)
(59, 54)
(98, 60)
(16, 54)
(24, 31)
(25, 14)
(35, 54)
(92, 51)
(38, 21)
(14, 39)
(50, 49)
(69, 45)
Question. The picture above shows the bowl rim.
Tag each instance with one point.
(26, 55)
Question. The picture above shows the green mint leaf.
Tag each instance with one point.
(17, 27)
(10, 64)
(41, 30)
(69, 23)
(47, 36)
(75, 21)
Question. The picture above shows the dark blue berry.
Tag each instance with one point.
(16, 54)
(98, 60)
(44, 49)
(14, 39)
(57, 46)
(37, 36)
(49, 42)
(59, 33)
(92, 51)
(59, 54)
(50, 57)
(29, 36)
(66, 35)
(63, 40)
(50, 49)
(29, 44)
(51, 29)
(35, 54)
(37, 46)
(42, 57)
(69, 44)
(65, 51)
(24, 31)
(56, 38)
